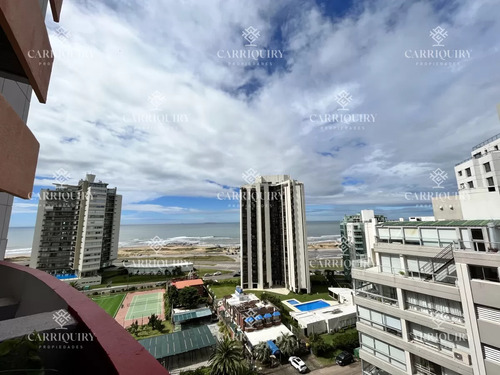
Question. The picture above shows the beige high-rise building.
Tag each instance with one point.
(273, 234)
(77, 230)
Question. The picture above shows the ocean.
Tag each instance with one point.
(210, 234)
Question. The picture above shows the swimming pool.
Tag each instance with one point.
(292, 302)
(314, 305)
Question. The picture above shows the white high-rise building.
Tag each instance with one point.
(430, 303)
(77, 229)
(273, 234)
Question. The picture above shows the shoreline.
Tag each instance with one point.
(186, 250)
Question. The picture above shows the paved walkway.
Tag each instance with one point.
(122, 311)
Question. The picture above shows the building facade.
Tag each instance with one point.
(273, 234)
(357, 234)
(478, 183)
(77, 229)
(22, 30)
(428, 302)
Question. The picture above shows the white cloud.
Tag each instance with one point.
(426, 117)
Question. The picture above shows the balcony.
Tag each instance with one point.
(32, 300)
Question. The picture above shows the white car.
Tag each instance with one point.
(217, 273)
(298, 364)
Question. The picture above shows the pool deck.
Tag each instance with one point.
(294, 307)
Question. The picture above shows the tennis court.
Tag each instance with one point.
(144, 305)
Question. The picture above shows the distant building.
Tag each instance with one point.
(478, 183)
(77, 230)
(428, 302)
(357, 233)
(273, 234)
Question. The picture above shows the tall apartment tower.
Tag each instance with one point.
(429, 303)
(25, 66)
(357, 234)
(273, 234)
(77, 229)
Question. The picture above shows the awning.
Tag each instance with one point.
(274, 349)
(268, 316)
(276, 313)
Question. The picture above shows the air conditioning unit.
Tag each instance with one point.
(462, 357)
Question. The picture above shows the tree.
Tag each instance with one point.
(189, 297)
(152, 320)
(262, 353)
(288, 344)
(227, 358)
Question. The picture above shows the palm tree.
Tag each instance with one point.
(227, 358)
(262, 353)
(288, 344)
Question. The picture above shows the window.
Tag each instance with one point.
(470, 184)
(460, 173)
(484, 273)
(438, 340)
(380, 321)
(487, 167)
(462, 186)
(490, 182)
(383, 351)
(467, 172)
(434, 306)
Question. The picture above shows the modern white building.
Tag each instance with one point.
(429, 303)
(273, 234)
(478, 182)
(336, 315)
(77, 229)
(357, 233)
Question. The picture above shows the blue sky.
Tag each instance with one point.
(141, 96)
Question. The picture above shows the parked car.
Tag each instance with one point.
(297, 363)
(217, 273)
(207, 275)
(344, 358)
(237, 274)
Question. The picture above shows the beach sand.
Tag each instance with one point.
(186, 250)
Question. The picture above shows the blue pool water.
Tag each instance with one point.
(292, 301)
(309, 306)
(64, 277)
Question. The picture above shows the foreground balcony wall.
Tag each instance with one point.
(113, 350)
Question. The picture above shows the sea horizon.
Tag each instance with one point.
(20, 239)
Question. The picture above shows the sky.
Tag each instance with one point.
(177, 103)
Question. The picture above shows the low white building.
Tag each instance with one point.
(155, 267)
(334, 316)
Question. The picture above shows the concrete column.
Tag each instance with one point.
(6, 201)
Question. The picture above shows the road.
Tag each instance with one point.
(352, 369)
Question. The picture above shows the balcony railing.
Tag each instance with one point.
(376, 297)
(477, 245)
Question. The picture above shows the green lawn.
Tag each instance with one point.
(110, 304)
(328, 337)
(317, 292)
(146, 331)
(223, 290)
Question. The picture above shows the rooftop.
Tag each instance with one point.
(186, 283)
(263, 335)
(178, 342)
(304, 318)
(182, 316)
(440, 223)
